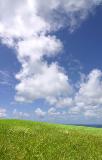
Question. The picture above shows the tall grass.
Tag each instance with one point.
(26, 140)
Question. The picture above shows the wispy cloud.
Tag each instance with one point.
(6, 78)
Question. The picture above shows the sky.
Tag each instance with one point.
(50, 60)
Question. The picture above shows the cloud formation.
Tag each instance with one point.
(89, 96)
(40, 113)
(3, 112)
(52, 112)
(28, 26)
(87, 100)
(20, 115)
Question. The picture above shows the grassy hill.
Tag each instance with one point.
(27, 140)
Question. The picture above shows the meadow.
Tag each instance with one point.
(27, 140)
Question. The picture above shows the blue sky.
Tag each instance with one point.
(41, 80)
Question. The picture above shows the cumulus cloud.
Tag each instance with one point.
(28, 26)
(20, 19)
(88, 99)
(47, 83)
(40, 113)
(36, 47)
(3, 112)
(90, 92)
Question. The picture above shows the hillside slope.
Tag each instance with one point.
(27, 140)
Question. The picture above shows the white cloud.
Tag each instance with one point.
(52, 112)
(36, 47)
(40, 113)
(90, 113)
(73, 13)
(37, 78)
(86, 103)
(49, 82)
(91, 89)
(20, 19)
(65, 102)
(3, 112)
(75, 110)
(21, 115)
(26, 18)
(88, 99)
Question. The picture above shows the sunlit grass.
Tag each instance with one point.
(26, 140)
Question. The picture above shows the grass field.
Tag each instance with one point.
(27, 140)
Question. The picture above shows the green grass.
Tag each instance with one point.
(27, 140)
